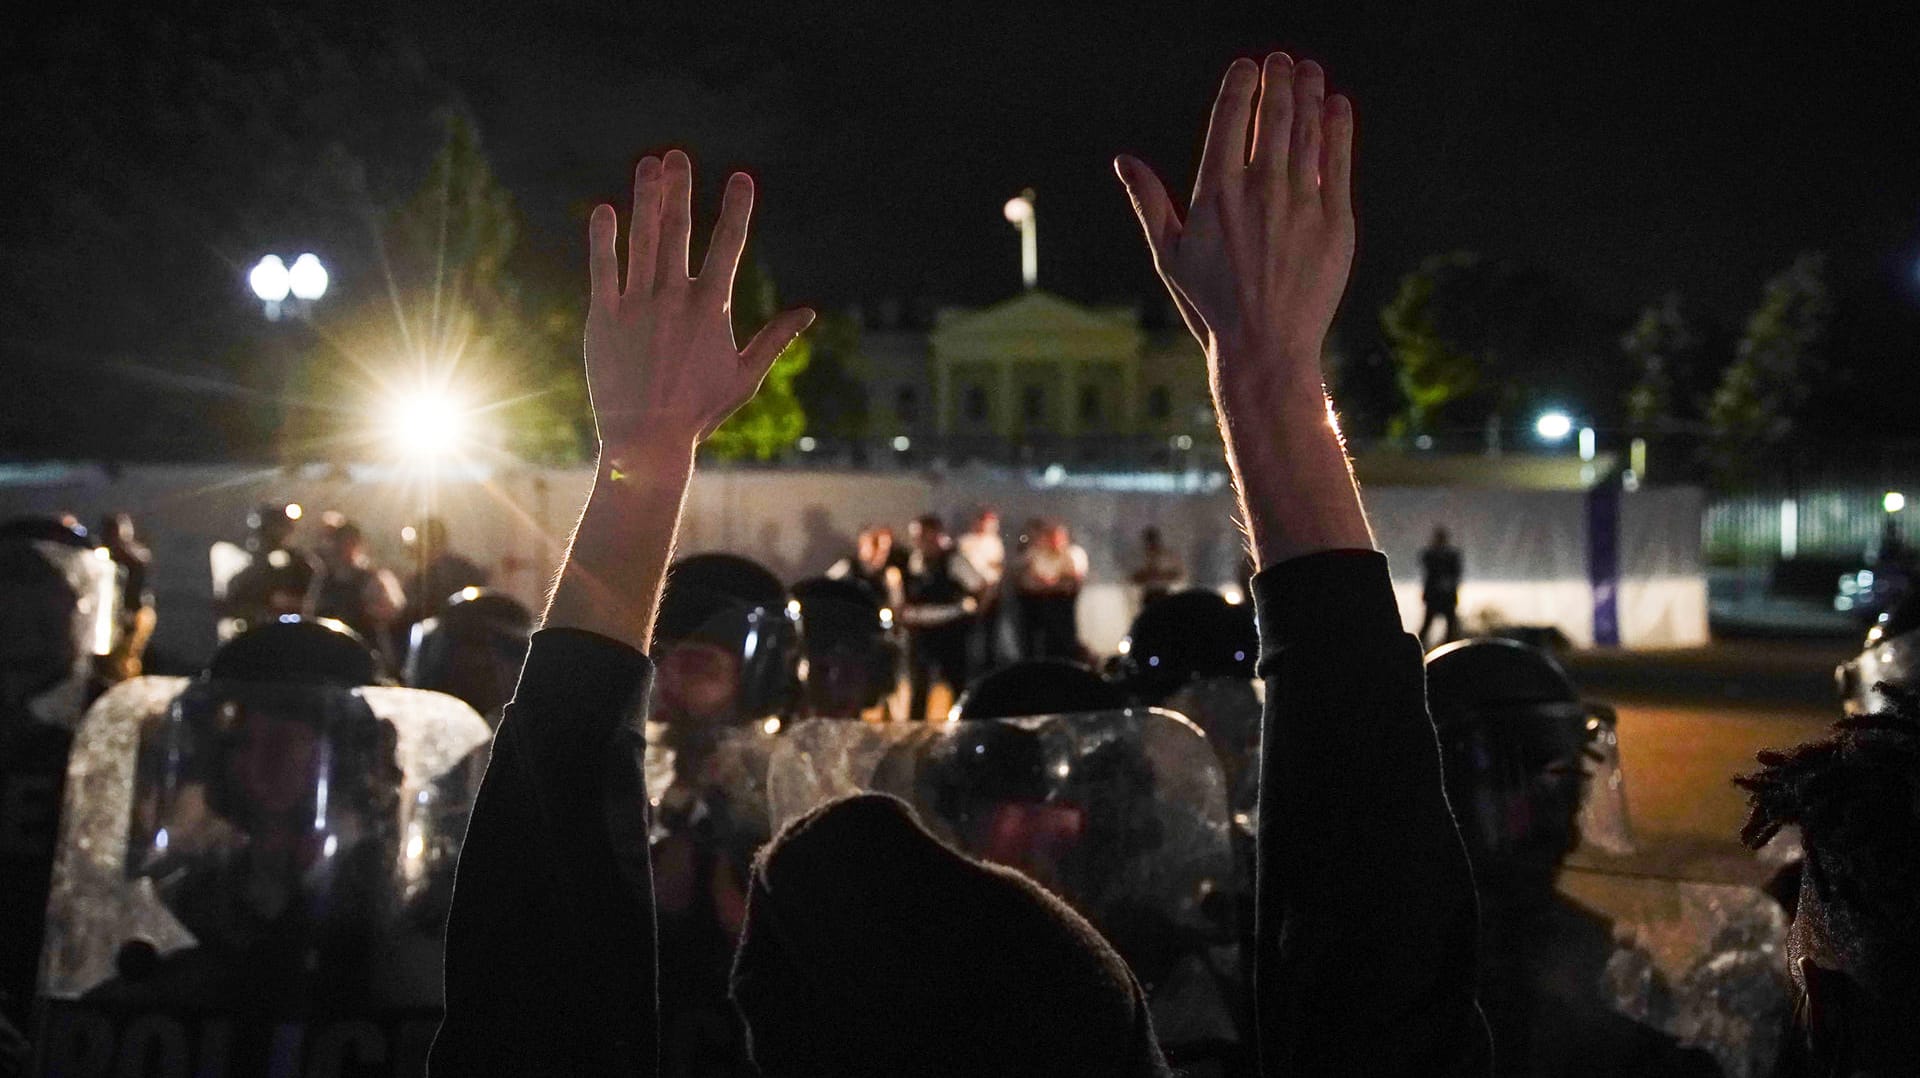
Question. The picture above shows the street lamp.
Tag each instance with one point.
(273, 281)
(1019, 211)
(1553, 426)
(1893, 502)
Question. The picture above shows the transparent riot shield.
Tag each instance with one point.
(1227, 710)
(1703, 962)
(1122, 814)
(1604, 823)
(253, 878)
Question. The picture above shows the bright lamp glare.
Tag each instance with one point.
(269, 279)
(1553, 426)
(307, 279)
(427, 424)
(1894, 501)
(1019, 210)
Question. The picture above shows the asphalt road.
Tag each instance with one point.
(1689, 721)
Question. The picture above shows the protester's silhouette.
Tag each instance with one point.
(1366, 936)
(1854, 946)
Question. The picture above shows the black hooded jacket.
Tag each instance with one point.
(1366, 921)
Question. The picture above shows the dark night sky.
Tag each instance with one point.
(1629, 151)
(1626, 149)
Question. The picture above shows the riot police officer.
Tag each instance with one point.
(277, 576)
(279, 858)
(727, 647)
(473, 649)
(1532, 770)
(58, 612)
(853, 660)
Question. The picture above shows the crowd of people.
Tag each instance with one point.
(1339, 858)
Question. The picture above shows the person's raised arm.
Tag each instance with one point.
(550, 942)
(1366, 924)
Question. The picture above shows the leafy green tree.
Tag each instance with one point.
(455, 316)
(767, 426)
(1661, 350)
(1473, 338)
(832, 390)
(1765, 390)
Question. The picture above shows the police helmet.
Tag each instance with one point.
(473, 648)
(1038, 687)
(1191, 634)
(315, 651)
(853, 662)
(739, 606)
(1525, 757)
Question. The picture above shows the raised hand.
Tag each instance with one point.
(661, 359)
(1261, 260)
(1257, 269)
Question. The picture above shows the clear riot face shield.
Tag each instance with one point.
(1122, 814)
(248, 866)
(1227, 710)
(1530, 784)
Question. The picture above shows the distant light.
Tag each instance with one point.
(409, 533)
(1183, 441)
(1587, 443)
(294, 511)
(1233, 594)
(427, 424)
(902, 443)
(269, 279)
(886, 618)
(1126, 644)
(307, 279)
(772, 725)
(1019, 210)
(1894, 501)
(1425, 441)
(469, 593)
(1553, 426)
(808, 444)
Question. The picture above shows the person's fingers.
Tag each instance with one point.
(643, 232)
(1336, 174)
(730, 235)
(676, 219)
(765, 347)
(1226, 153)
(603, 265)
(1309, 94)
(1273, 123)
(1151, 205)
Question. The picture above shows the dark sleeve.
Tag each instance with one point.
(1366, 922)
(550, 942)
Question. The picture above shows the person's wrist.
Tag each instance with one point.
(648, 455)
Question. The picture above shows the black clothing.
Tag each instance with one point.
(428, 592)
(1441, 569)
(263, 590)
(33, 774)
(1365, 961)
(938, 628)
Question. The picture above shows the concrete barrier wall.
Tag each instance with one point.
(1525, 551)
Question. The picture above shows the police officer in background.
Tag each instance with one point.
(727, 647)
(353, 590)
(278, 576)
(1193, 652)
(58, 612)
(473, 649)
(939, 614)
(853, 661)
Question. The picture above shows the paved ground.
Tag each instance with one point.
(1689, 721)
